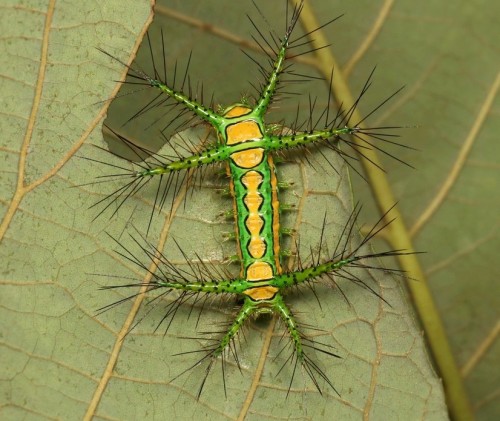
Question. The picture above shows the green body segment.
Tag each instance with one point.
(288, 280)
(221, 123)
(245, 145)
(255, 200)
(258, 241)
(242, 286)
(269, 143)
(250, 307)
(200, 110)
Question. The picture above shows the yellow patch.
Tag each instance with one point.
(254, 223)
(253, 201)
(252, 180)
(237, 111)
(257, 248)
(248, 159)
(259, 271)
(243, 131)
(262, 293)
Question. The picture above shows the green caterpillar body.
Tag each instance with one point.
(245, 145)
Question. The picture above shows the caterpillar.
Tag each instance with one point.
(247, 146)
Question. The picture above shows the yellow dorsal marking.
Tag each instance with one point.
(248, 159)
(237, 111)
(259, 271)
(253, 201)
(243, 131)
(254, 222)
(252, 180)
(262, 293)
(256, 248)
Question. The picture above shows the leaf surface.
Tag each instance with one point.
(63, 361)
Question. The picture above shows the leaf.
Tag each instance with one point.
(60, 354)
